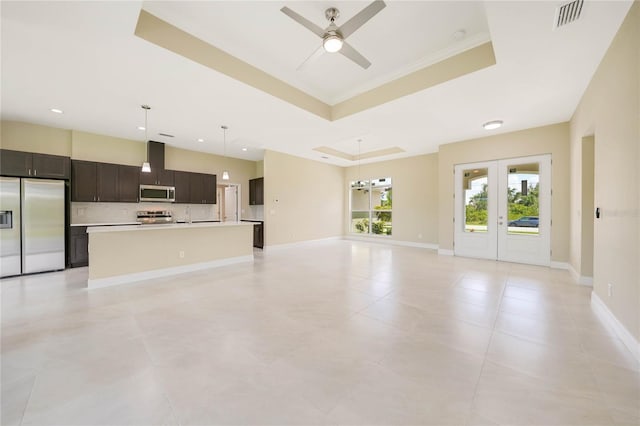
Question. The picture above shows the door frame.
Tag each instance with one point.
(238, 200)
(497, 243)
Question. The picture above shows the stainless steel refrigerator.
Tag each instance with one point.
(32, 225)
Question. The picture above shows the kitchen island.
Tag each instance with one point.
(122, 254)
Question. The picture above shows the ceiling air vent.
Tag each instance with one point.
(166, 135)
(567, 13)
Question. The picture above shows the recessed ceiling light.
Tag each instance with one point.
(200, 140)
(244, 149)
(141, 128)
(56, 110)
(490, 125)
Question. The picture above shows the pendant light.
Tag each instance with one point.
(225, 173)
(146, 167)
(359, 142)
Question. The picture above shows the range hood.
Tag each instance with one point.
(155, 155)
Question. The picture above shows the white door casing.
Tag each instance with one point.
(497, 240)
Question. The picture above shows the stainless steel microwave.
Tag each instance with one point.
(156, 193)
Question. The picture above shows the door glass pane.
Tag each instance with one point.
(522, 199)
(474, 187)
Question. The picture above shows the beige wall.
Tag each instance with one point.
(29, 137)
(610, 110)
(303, 199)
(107, 149)
(552, 140)
(259, 169)
(415, 195)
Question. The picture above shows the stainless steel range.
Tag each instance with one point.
(154, 216)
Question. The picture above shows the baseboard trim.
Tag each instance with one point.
(581, 280)
(392, 242)
(159, 273)
(446, 252)
(609, 319)
(559, 265)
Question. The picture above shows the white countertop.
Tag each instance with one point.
(104, 224)
(94, 229)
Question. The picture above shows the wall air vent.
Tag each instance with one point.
(568, 13)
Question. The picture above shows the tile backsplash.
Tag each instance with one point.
(254, 212)
(126, 212)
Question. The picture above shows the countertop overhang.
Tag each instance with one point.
(167, 226)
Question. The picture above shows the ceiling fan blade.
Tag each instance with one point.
(351, 53)
(315, 55)
(361, 18)
(303, 21)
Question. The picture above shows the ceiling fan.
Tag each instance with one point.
(333, 37)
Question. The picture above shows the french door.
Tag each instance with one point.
(503, 210)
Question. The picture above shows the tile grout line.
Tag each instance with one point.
(484, 358)
(26, 406)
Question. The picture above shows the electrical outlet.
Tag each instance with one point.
(181, 254)
(609, 289)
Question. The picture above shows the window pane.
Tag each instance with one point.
(522, 198)
(360, 199)
(381, 224)
(475, 200)
(360, 222)
(371, 204)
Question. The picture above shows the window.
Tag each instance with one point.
(371, 205)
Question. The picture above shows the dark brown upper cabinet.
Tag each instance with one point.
(256, 192)
(83, 181)
(104, 182)
(128, 183)
(183, 186)
(27, 164)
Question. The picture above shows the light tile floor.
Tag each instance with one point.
(332, 332)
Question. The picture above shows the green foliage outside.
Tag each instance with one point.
(382, 224)
(519, 205)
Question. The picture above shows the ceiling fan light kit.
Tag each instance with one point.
(332, 43)
(333, 37)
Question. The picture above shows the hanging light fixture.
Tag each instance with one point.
(225, 173)
(146, 167)
(359, 142)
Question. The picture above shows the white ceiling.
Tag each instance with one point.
(83, 58)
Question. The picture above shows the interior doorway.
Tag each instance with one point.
(503, 210)
(228, 202)
(587, 209)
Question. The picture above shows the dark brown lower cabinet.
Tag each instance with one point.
(78, 246)
(258, 235)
